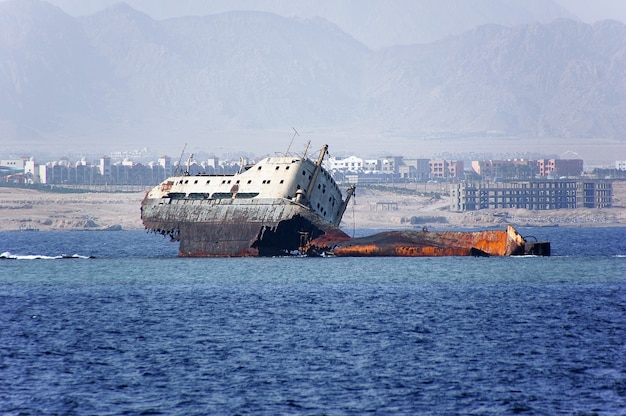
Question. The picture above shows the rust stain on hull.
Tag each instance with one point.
(429, 244)
(231, 229)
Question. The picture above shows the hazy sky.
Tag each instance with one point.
(588, 11)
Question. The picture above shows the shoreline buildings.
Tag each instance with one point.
(512, 183)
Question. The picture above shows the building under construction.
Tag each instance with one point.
(532, 194)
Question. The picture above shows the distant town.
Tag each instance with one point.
(526, 183)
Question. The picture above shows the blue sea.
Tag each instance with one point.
(125, 327)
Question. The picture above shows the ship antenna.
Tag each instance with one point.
(295, 133)
(181, 157)
(306, 149)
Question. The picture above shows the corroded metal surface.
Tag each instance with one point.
(410, 243)
(229, 227)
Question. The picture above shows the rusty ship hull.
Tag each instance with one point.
(219, 228)
(274, 207)
(424, 243)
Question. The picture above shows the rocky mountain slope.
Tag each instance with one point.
(120, 77)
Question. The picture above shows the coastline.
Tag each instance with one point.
(396, 208)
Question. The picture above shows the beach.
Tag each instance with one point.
(393, 206)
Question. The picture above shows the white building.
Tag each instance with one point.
(31, 171)
(351, 163)
(105, 166)
(15, 164)
(620, 164)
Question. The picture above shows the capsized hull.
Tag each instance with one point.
(424, 243)
(236, 228)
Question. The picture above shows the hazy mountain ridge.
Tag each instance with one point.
(121, 74)
(373, 22)
(561, 79)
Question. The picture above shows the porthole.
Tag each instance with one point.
(277, 167)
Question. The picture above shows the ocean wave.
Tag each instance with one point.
(8, 256)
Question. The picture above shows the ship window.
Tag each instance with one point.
(259, 168)
(246, 194)
(286, 167)
(263, 182)
(222, 195)
(208, 182)
(237, 181)
(282, 181)
(198, 195)
(277, 167)
(195, 182)
(319, 186)
(249, 181)
(186, 181)
(176, 195)
(228, 181)
(303, 173)
(224, 181)
(268, 182)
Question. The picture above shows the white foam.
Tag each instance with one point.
(8, 256)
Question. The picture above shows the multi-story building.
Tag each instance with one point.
(560, 167)
(446, 168)
(534, 194)
(415, 169)
(390, 164)
(351, 163)
(510, 168)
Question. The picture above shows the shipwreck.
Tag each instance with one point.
(291, 205)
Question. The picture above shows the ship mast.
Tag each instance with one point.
(318, 167)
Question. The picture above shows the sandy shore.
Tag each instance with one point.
(404, 208)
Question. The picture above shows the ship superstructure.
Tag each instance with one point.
(274, 207)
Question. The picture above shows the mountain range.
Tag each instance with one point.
(121, 78)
